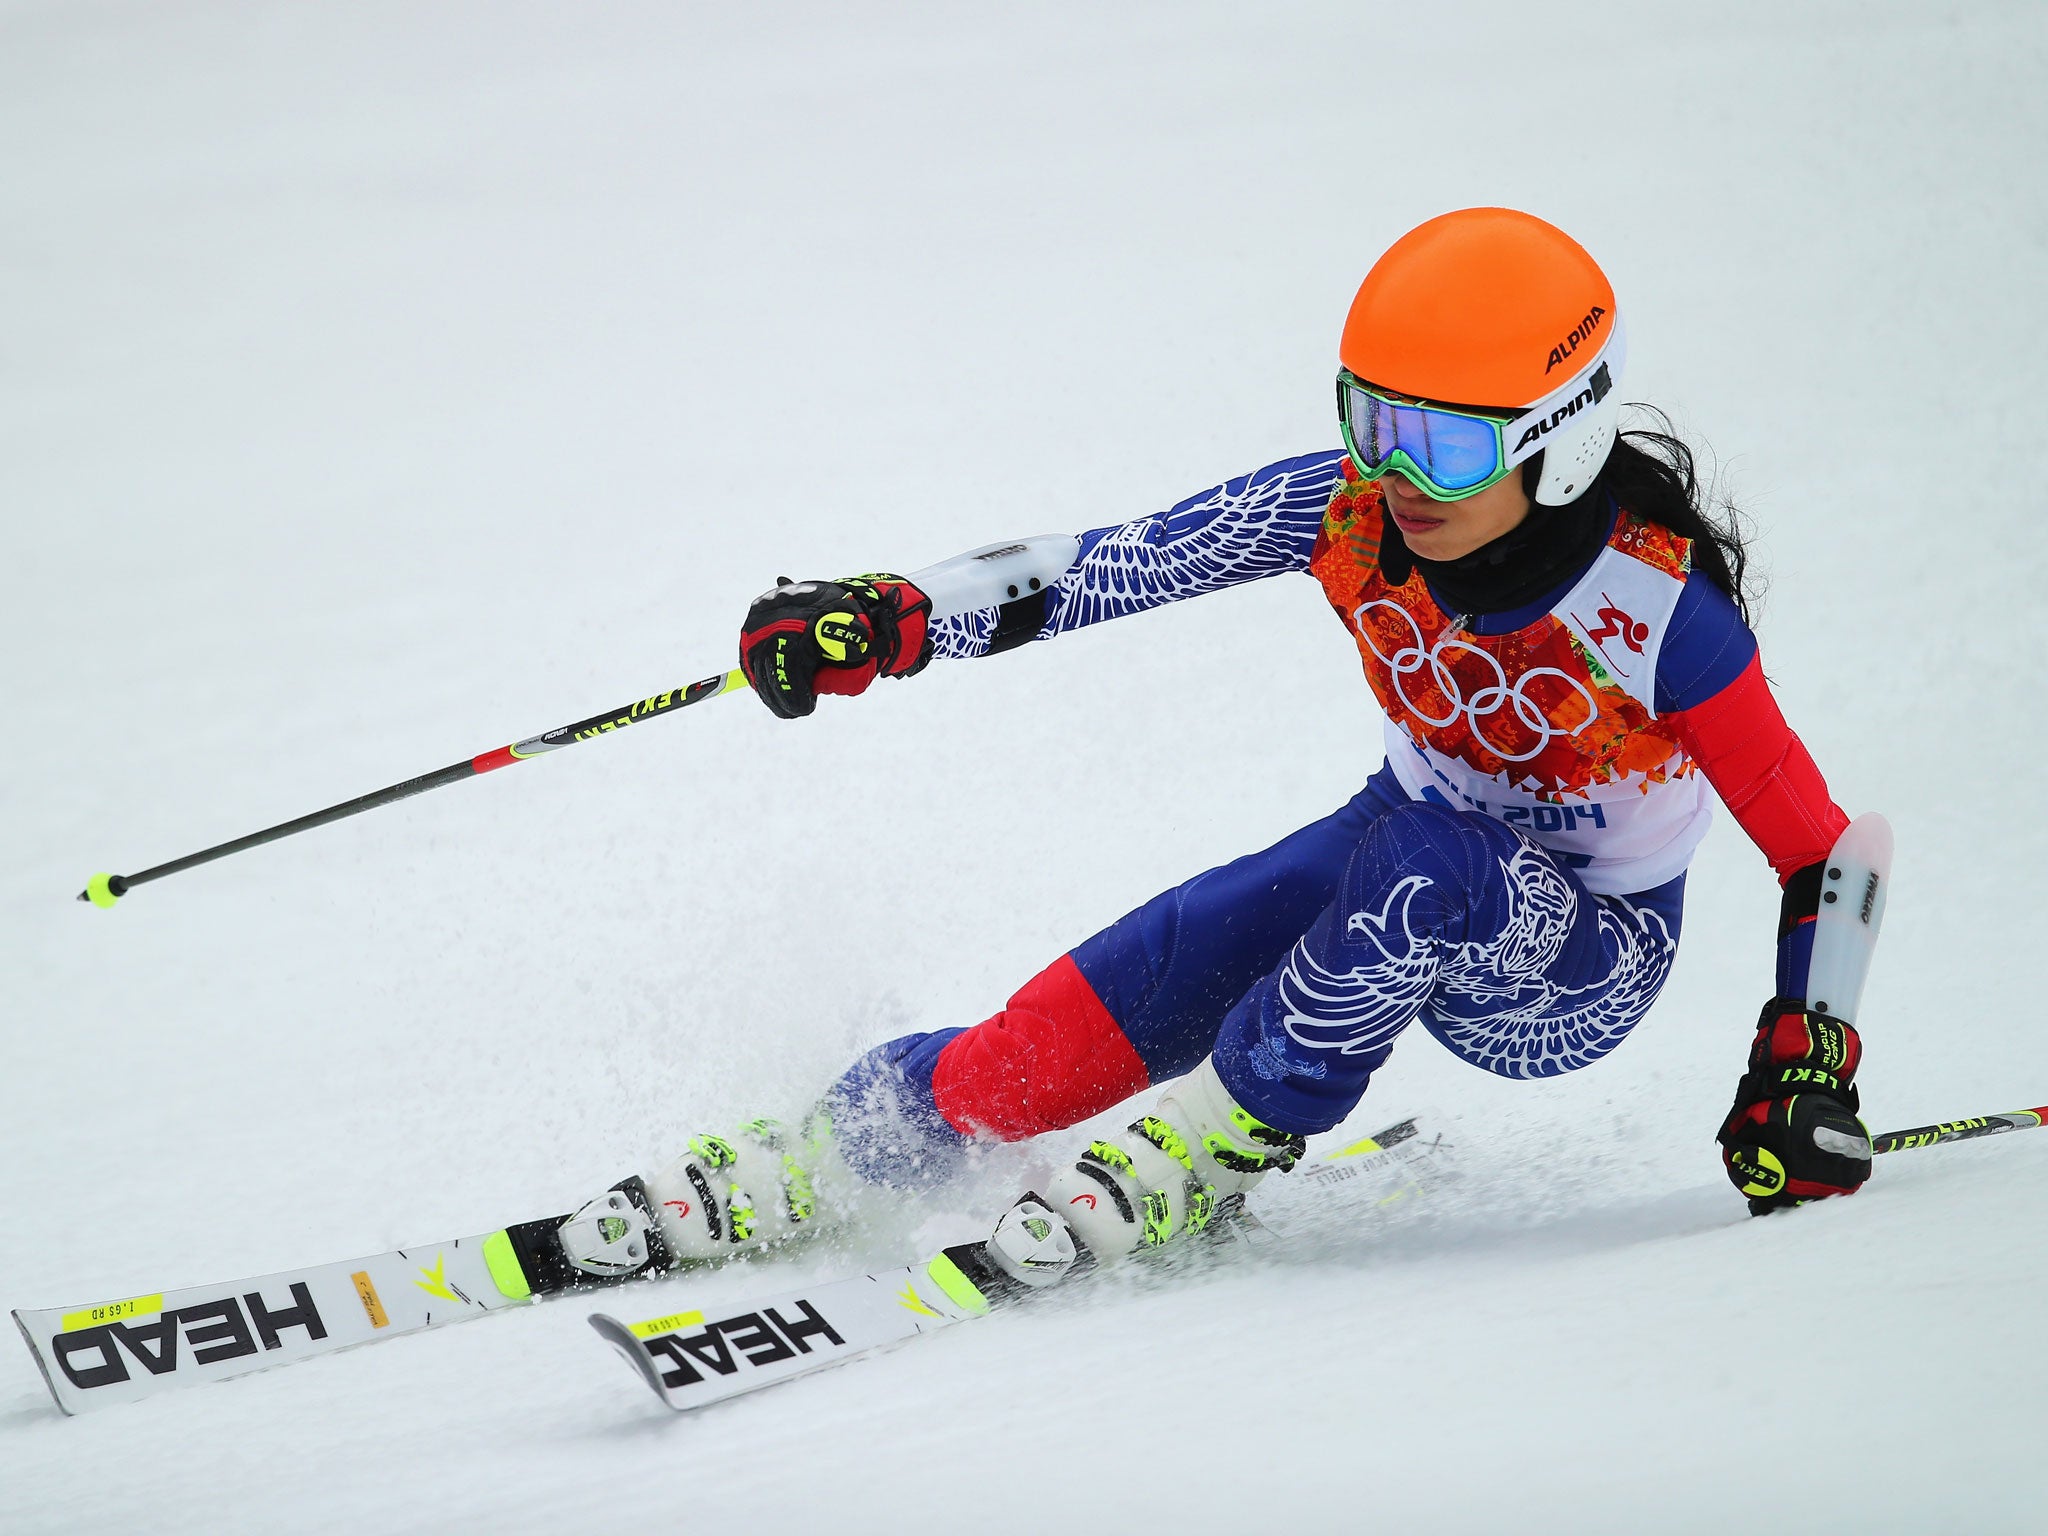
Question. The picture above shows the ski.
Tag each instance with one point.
(690, 1360)
(693, 1358)
(97, 1355)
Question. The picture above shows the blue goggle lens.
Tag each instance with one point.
(1456, 452)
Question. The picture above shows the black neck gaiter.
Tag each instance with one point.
(1539, 553)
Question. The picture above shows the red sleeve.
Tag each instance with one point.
(1762, 772)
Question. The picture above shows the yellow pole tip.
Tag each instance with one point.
(99, 891)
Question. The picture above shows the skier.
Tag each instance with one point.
(1557, 633)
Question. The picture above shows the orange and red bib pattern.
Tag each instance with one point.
(1537, 706)
(1551, 727)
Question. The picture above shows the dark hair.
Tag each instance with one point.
(1653, 474)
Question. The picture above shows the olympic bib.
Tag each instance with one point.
(1551, 728)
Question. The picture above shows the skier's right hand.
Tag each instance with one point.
(804, 638)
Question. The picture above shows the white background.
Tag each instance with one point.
(382, 383)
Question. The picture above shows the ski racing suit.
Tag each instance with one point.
(1512, 877)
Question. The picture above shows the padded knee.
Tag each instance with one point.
(1054, 1056)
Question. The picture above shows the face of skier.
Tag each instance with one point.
(1446, 530)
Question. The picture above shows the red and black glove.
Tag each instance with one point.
(805, 638)
(1793, 1134)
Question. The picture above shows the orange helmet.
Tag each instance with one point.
(1496, 310)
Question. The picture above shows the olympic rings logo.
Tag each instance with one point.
(1489, 700)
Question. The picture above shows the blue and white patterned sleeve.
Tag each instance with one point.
(1257, 525)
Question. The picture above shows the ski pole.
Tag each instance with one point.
(1959, 1130)
(104, 890)
(1014, 578)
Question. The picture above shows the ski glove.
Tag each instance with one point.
(1168, 1174)
(1793, 1134)
(805, 638)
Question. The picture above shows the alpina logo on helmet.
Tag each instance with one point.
(1579, 333)
(1596, 390)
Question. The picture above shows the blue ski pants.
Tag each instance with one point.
(1297, 967)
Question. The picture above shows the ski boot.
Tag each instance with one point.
(1181, 1172)
(727, 1195)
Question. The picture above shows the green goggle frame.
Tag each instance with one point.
(1447, 452)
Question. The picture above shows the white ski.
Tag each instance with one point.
(691, 1360)
(119, 1351)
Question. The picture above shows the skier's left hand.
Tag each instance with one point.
(1793, 1134)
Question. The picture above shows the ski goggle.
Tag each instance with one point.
(1451, 452)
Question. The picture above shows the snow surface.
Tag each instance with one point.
(380, 383)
